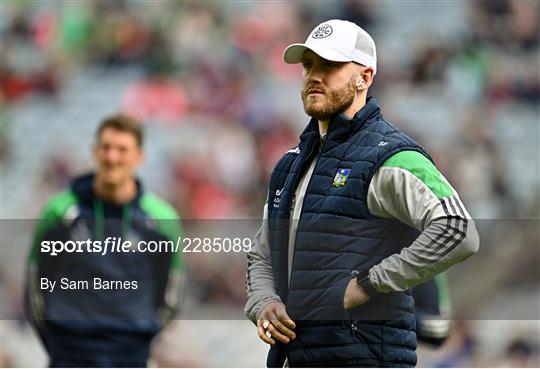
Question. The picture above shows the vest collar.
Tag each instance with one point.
(341, 128)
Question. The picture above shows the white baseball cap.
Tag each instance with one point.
(336, 40)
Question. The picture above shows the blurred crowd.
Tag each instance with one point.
(218, 65)
(208, 81)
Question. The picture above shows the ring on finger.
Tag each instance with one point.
(268, 334)
(266, 324)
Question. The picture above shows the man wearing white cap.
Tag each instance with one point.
(356, 216)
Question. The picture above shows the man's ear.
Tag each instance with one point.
(364, 79)
(94, 150)
(367, 77)
(140, 156)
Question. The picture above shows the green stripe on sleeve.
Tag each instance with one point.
(52, 213)
(167, 219)
(423, 169)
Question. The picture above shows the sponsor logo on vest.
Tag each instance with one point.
(296, 150)
(341, 177)
(382, 143)
(323, 31)
(277, 199)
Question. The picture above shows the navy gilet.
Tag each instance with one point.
(337, 235)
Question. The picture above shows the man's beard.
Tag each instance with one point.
(337, 101)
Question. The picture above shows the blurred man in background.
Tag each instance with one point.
(111, 323)
(356, 216)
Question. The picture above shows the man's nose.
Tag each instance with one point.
(111, 156)
(314, 75)
(315, 78)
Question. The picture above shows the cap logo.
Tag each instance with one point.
(323, 31)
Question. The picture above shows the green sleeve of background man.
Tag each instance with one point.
(445, 299)
(51, 215)
(168, 222)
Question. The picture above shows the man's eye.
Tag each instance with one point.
(306, 65)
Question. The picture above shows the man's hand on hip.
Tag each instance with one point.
(354, 295)
(274, 324)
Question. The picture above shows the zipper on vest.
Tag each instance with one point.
(287, 230)
(304, 167)
(321, 147)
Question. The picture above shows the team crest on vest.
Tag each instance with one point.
(341, 177)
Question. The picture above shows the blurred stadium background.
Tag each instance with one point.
(220, 107)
